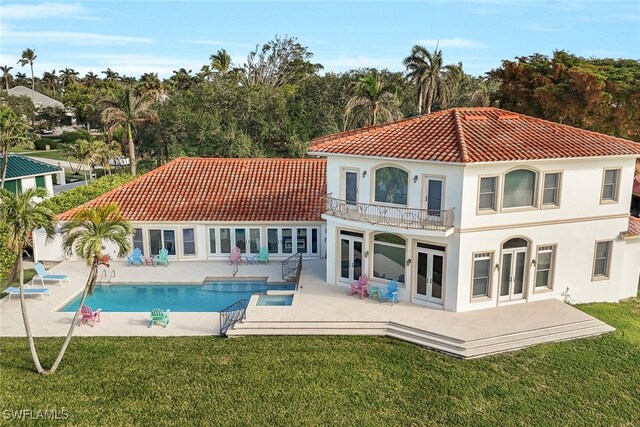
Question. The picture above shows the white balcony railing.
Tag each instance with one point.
(395, 216)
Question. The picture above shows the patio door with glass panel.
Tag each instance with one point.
(159, 239)
(350, 256)
(430, 273)
(350, 179)
(433, 198)
(513, 271)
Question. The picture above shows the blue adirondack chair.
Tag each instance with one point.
(135, 258)
(390, 292)
(158, 315)
(263, 256)
(162, 258)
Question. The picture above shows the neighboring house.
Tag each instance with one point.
(472, 208)
(199, 209)
(39, 100)
(25, 172)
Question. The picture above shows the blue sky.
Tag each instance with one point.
(161, 36)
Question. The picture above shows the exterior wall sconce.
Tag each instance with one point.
(497, 267)
(364, 173)
(415, 179)
(533, 262)
(408, 262)
(366, 254)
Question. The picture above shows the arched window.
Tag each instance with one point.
(389, 257)
(519, 189)
(391, 185)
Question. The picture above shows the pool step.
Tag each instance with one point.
(450, 345)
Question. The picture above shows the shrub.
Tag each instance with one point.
(72, 137)
(82, 194)
(7, 257)
(40, 144)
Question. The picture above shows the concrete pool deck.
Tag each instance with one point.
(318, 309)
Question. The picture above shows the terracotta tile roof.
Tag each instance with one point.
(634, 228)
(470, 135)
(212, 189)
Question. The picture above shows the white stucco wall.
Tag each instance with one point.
(631, 268)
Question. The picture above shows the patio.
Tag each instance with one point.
(318, 309)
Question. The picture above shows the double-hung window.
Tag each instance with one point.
(551, 189)
(602, 260)
(610, 185)
(487, 194)
(544, 267)
(481, 286)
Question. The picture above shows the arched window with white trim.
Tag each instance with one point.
(520, 189)
(391, 185)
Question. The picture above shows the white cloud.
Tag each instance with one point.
(452, 43)
(69, 37)
(30, 11)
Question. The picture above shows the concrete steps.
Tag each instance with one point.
(447, 344)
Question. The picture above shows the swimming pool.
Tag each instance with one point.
(206, 297)
(275, 300)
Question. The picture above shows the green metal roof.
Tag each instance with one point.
(20, 166)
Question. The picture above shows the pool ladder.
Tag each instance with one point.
(111, 275)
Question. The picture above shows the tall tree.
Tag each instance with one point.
(28, 57)
(50, 80)
(6, 75)
(68, 75)
(86, 235)
(21, 80)
(90, 79)
(110, 75)
(87, 152)
(372, 101)
(128, 111)
(436, 82)
(22, 215)
(221, 62)
(13, 131)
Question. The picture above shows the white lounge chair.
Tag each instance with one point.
(43, 274)
(27, 291)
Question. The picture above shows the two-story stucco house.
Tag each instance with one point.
(472, 208)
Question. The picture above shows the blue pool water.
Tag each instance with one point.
(205, 297)
(276, 300)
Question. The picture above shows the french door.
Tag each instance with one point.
(433, 197)
(430, 273)
(512, 277)
(350, 258)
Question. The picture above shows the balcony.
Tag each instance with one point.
(395, 216)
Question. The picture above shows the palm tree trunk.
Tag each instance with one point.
(5, 161)
(132, 154)
(25, 319)
(90, 281)
(6, 82)
(33, 85)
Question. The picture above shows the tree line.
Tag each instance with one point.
(279, 98)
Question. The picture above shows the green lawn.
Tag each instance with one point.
(332, 381)
(51, 154)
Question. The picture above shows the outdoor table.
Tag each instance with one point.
(374, 292)
(147, 260)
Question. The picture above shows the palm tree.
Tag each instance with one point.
(6, 75)
(86, 235)
(85, 151)
(68, 75)
(436, 82)
(13, 131)
(20, 79)
(90, 79)
(22, 215)
(221, 62)
(372, 101)
(485, 89)
(28, 56)
(127, 112)
(110, 75)
(151, 86)
(104, 152)
(50, 79)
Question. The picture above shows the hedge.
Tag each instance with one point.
(83, 193)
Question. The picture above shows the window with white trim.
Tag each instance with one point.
(188, 241)
(610, 185)
(391, 185)
(212, 241)
(487, 194)
(481, 286)
(137, 239)
(519, 189)
(602, 260)
(544, 267)
(551, 189)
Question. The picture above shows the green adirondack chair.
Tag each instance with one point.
(162, 258)
(158, 315)
(263, 256)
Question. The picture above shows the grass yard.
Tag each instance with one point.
(332, 381)
(51, 154)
